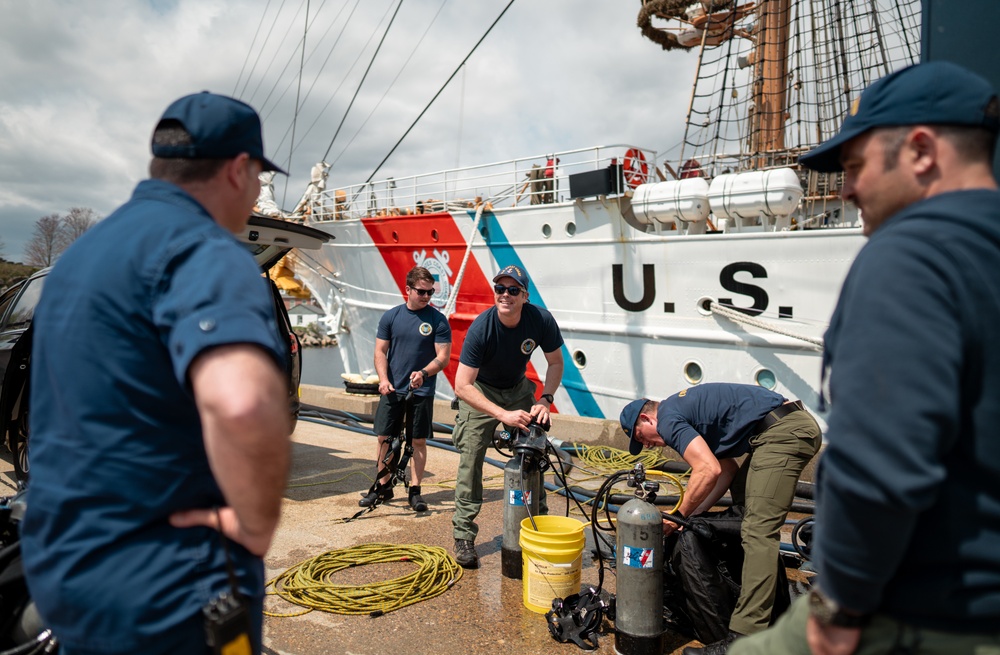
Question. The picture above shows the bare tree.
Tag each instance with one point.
(54, 233)
(46, 241)
(78, 221)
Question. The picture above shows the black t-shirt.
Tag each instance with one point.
(501, 353)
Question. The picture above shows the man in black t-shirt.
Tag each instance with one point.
(492, 389)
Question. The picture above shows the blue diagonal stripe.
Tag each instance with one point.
(503, 252)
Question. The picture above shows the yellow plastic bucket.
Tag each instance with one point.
(551, 555)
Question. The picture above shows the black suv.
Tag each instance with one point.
(268, 239)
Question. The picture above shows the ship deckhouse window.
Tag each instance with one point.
(766, 379)
(693, 373)
(580, 359)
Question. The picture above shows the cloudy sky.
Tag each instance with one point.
(84, 83)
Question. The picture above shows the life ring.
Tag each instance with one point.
(635, 168)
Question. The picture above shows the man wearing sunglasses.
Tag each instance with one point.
(492, 388)
(412, 345)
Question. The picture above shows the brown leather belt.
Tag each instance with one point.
(776, 415)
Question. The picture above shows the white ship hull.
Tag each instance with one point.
(630, 304)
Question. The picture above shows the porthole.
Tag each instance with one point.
(546, 230)
(766, 378)
(580, 359)
(570, 229)
(693, 373)
(434, 235)
(395, 236)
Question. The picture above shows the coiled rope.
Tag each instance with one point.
(309, 584)
(739, 317)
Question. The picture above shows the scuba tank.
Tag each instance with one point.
(639, 625)
(522, 486)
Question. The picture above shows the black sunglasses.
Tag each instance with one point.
(513, 292)
(423, 292)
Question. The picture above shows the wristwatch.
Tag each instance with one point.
(829, 612)
(424, 373)
(547, 396)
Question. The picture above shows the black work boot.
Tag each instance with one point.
(465, 554)
(416, 500)
(384, 492)
(715, 648)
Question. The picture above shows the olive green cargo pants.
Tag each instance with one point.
(765, 486)
(882, 635)
(473, 436)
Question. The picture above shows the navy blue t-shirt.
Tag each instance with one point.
(116, 439)
(501, 353)
(411, 336)
(723, 414)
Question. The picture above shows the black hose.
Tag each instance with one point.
(621, 499)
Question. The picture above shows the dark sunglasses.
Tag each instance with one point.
(423, 292)
(513, 292)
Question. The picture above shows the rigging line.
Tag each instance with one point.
(291, 58)
(322, 39)
(443, 86)
(298, 93)
(284, 39)
(346, 75)
(363, 77)
(391, 84)
(261, 51)
(252, 43)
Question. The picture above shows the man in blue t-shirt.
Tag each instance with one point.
(412, 345)
(710, 425)
(159, 403)
(492, 388)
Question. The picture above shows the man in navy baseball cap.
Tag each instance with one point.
(516, 273)
(629, 416)
(935, 93)
(220, 127)
(906, 358)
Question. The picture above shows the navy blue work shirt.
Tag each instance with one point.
(502, 353)
(412, 336)
(116, 440)
(723, 414)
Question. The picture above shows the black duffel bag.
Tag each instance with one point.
(701, 577)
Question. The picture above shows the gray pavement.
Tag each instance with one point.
(482, 613)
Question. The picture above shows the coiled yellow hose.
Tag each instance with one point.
(309, 584)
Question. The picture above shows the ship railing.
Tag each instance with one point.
(516, 183)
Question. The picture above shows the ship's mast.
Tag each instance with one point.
(770, 97)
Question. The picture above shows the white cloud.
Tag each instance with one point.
(84, 84)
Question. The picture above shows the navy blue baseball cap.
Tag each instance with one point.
(933, 93)
(220, 127)
(519, 274)
(628, 419)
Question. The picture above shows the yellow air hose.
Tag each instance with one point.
(309, 584)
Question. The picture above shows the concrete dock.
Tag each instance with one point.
(482, 612)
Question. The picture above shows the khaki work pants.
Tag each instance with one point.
(472, 437)
(882, 635)
(765, 486)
